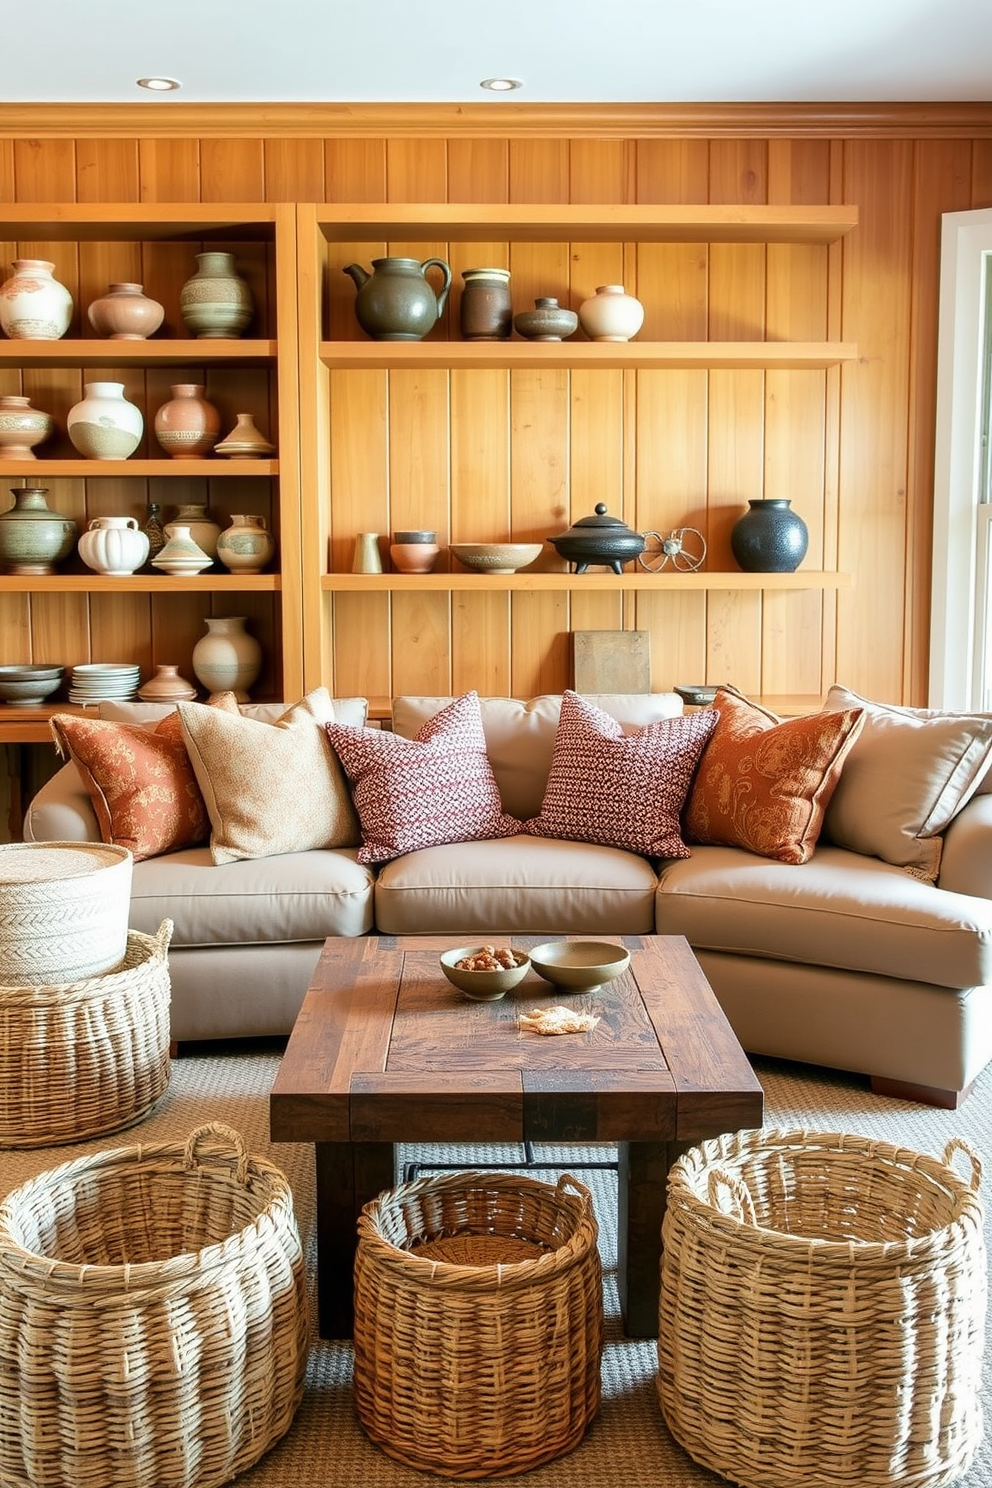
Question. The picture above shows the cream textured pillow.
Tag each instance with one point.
(270, 788)
(908, 773)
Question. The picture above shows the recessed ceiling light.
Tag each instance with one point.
(159, 84)
(501, 85)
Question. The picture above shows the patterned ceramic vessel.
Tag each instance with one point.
(227, 658)
(181, 555)
(34, 306)
(548, 321)
(22, 427)
(33, 538)
(187, 427)
(104, 425)
(246, 546)
(125, 313)
(216, 301)
(200, 525)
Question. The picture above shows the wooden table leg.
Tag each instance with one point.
(642, 1194)
(349, 1174)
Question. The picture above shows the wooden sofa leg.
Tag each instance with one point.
(927, 1095)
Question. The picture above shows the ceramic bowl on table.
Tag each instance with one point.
(483, 986)
(496, 558)
(28, 686)
(579, 965)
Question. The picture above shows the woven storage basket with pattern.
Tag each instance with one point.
(83, 1058)
(64, 910)
(478, 1322)
(822, 1310)
(153, 1327)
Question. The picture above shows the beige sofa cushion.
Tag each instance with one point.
(839, 909)
(522, 885)
(520, 735)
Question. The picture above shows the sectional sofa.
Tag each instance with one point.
(873, 954)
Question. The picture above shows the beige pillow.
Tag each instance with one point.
(908, 773)
(270, 788)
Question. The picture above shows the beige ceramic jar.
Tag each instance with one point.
(246, 546)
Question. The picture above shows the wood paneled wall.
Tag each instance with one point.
(853, 448)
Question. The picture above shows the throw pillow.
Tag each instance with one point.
(763, 782)
(908, 774)
(622, 790)
(139, 778)
(435, 788)
(269, 788)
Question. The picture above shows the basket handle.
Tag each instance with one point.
(566, 1181)
(958, 1144)
(225, 1134)
(737, 1191)
(163, 936)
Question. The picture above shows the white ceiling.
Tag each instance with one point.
(564, 51)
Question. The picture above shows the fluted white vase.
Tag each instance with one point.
(113, 545)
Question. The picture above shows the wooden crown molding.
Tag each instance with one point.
(168, 119)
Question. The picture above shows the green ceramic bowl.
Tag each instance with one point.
(482, 986)
(579, 965)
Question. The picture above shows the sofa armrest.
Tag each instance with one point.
(966, 858)
(62, 811)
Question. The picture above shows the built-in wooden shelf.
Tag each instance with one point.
(150, 583)
(522, 583)
(32, 470)
(635, 355)
(209, 351)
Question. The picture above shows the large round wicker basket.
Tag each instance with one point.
(64, 910)
(153, 1327)
(478, 1322)
(82, 1058)
(822, 1311)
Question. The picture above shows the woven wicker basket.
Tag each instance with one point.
(152, 1317)
(822, 1311)
(84, 1058)
(64, 910)
(478, 1322)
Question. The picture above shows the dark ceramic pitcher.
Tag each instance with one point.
(395, 302)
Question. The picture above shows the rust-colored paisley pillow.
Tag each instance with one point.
(764, 783)
(140, 780)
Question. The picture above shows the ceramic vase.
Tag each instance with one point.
(33, 538)
(485, 312)
(113, 545)
(769, 538)
(22, 427)
(125, 313)
(368, 558)
(180, 554)
(187, 427)
(245, 441)
(611, 314)
(34, 306)
(548, 321)
(104, 425)
(199, 523)
(227, 658)
(167, 686)
(216, 301)
(246, 546)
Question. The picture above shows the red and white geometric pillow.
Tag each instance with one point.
(621, 790)
(411, 793)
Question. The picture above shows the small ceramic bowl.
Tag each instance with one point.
(696, 696)
(27, 686)
(482, 986)
(497, 558)
(413, 557)
(421, 536)
(579, 965)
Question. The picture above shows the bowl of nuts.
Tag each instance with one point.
(485, 973)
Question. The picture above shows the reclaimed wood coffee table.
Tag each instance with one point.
(386, 1051)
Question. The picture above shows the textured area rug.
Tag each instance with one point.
(628, 1446)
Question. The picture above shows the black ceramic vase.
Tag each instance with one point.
(769, 538)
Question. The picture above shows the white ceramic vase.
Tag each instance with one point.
(227, 658)
(34, 306)
(113, 545)
(611, 314)
(104, 425)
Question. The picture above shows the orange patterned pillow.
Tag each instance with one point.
(764, 783)
(140, 780)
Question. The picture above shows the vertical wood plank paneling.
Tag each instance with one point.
(107, 170)
(355, 170)
(169, 170)
(294, 170)
(45, 170)
(232, 170)
(478, 170)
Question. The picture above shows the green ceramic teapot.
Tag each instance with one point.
(395, 302)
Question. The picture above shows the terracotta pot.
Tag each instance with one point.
(187, 427)
(125, 313)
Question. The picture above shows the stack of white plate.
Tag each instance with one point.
(97, 682)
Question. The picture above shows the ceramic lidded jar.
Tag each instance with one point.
(125, 313)
(770, 537)
(180, 554)
(611, 314)
(104, 425)
(246, 546)
(22, 427)
(113, 545)
(485, 312)
(34, 306)
(187, 427)
(548, 321)
(227, 658)
(33, 538)
(216, 301)
(194, 517)
(599, 539)
(167, 686)
(245, 441)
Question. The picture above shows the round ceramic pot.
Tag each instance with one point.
(22, 427)
(548, 321)
(113, 545)
(180, 554)
(187, 427)
(125, 313)
(415, 557)
(227, 658)
(611, 314)
(104, 425)
(486, 309)
(216, 301)
(246, 546)
(32, 537)
(396, 301)
(199, 524)
(34, 306)
(599, 539)
(769, 538)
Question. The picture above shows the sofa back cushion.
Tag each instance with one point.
(520, 734)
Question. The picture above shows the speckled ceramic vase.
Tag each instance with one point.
(33, 538)
(187, 427)
(769, 537)
(216, 301)
(22, 427)
(34, 306)
(104, 425)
